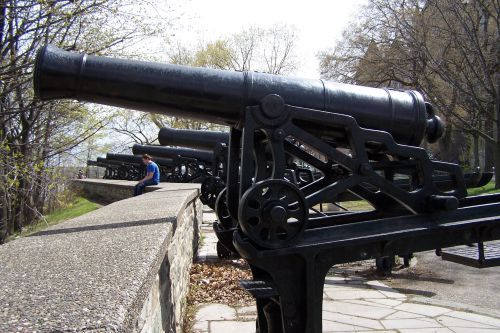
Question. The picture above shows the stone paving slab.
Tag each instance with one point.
(207, 251)
(352, 304)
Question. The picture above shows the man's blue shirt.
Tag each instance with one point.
(153, 167)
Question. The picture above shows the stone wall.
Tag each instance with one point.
(121, 268)
(108, 190)
(162, 311)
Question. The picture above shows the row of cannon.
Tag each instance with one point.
(183, 156)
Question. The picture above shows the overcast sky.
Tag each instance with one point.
(319, 23)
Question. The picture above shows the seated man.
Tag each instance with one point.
(152, 175)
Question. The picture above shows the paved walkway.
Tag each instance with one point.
(351, 304)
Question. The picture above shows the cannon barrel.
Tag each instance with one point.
(133, 159)
(220, 96)
(170, 152)
(104, 160)
(191, 138)
(124, 158)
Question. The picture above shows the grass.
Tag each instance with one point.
(486, 189)
(76, 208)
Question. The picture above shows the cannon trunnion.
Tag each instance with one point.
(361, 142)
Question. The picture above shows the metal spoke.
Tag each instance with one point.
(272, 231)
(252, 212)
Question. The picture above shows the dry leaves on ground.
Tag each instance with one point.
(219, 283)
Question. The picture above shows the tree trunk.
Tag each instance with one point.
(497, 132)
(489, 147)
(497, 166)
(475, 148)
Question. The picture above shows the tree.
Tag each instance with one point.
(244, 47)
(447, 49)
(265, 50)
(216, 55)
(34, 134)
(278, 50)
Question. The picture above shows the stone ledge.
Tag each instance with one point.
(107, 190)
(108, 270)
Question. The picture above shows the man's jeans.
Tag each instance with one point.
(139, 188)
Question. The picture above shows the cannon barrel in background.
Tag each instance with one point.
(133, 159)
(124, 158)
(220, 96)
(191, 138)
(170, 152)
(104, 160)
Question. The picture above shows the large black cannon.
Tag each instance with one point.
(123, 170)
(363, 142)
(110, 171)
(221, 96)
(115, 170)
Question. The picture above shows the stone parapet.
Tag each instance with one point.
(121, 268)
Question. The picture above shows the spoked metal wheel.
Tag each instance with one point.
(273, 213)
(225, 220)
(210, 189)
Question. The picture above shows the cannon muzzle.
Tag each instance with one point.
(169, 152)
(220, 96)
(191, 138)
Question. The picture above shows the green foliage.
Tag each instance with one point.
(36, 136)
(214, 55)
(486, 189)
(77, 207)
